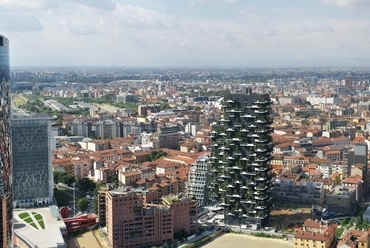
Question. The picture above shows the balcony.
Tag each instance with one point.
(261, 179)
(248, 116)
(260, 188)
(262, 198)
(260, 150)
(261, 111)
(230, 130)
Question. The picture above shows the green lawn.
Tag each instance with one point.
(29, 220)
(37, 216)
(18, 101)
(23, 215)
(340, 230)
(33, 225)
(41, 223)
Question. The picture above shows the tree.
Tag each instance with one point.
(86, 184)
(82, 204)
(359, 222)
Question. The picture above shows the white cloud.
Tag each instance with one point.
(78, 28)
(304, 30)
(19, 22)
(356, 3)
(27, 4)
(99, 4)
(138, 17)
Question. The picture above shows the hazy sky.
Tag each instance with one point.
(183, 32)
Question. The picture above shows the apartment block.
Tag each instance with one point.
(130, 223)
(341, 200)
(168, 137)
(185, 213)
(295, 191)
(196, 187)
(240, 171)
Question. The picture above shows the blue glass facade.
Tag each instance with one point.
(32, 174)
(4, 59)
(6, 208)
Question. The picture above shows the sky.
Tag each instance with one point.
(227, 33)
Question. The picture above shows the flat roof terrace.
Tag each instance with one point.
(39, 227)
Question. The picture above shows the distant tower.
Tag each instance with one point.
(348, 83)
(6, 208)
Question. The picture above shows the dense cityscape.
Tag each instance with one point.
(176, 157)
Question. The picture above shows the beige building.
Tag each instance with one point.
(315, 234)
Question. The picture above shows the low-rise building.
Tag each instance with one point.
(315, 234)
(341, 199)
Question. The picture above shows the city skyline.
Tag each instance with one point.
(187, 33)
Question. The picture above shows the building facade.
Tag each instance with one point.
(32, 170)
(196, 187)
(168, 137)
(292, 191)
(240, 170)
(6, 215)
(130, 224)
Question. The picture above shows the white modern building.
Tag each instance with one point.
(197, 180)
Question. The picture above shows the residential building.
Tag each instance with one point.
(184, 213)
(6, 185)
(130, 223)
(240, 171)
(81, 128)
(126, 98)
(32, 170)
(168, 137)
(354, 238)
(108, 128)
(196, 187)
(341, 200)
(315, 234)
(358, 156)
(299, 192)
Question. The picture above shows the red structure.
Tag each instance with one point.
(64, 212)
(78, 222)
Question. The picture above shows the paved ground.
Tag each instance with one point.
(91, 239)
(106, 107)
(232, 240)
(289, 216)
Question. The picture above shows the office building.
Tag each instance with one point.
(6, 215)
(32, 170)
(240, 171)
(130, 223)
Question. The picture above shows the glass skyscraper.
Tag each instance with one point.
(32, 173)
(6, 215)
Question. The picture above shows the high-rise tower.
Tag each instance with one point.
(6, 215)
(32, 170)
(240, 171)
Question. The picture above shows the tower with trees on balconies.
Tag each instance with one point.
(240, 171)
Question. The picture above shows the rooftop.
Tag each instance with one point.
(31, 224)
